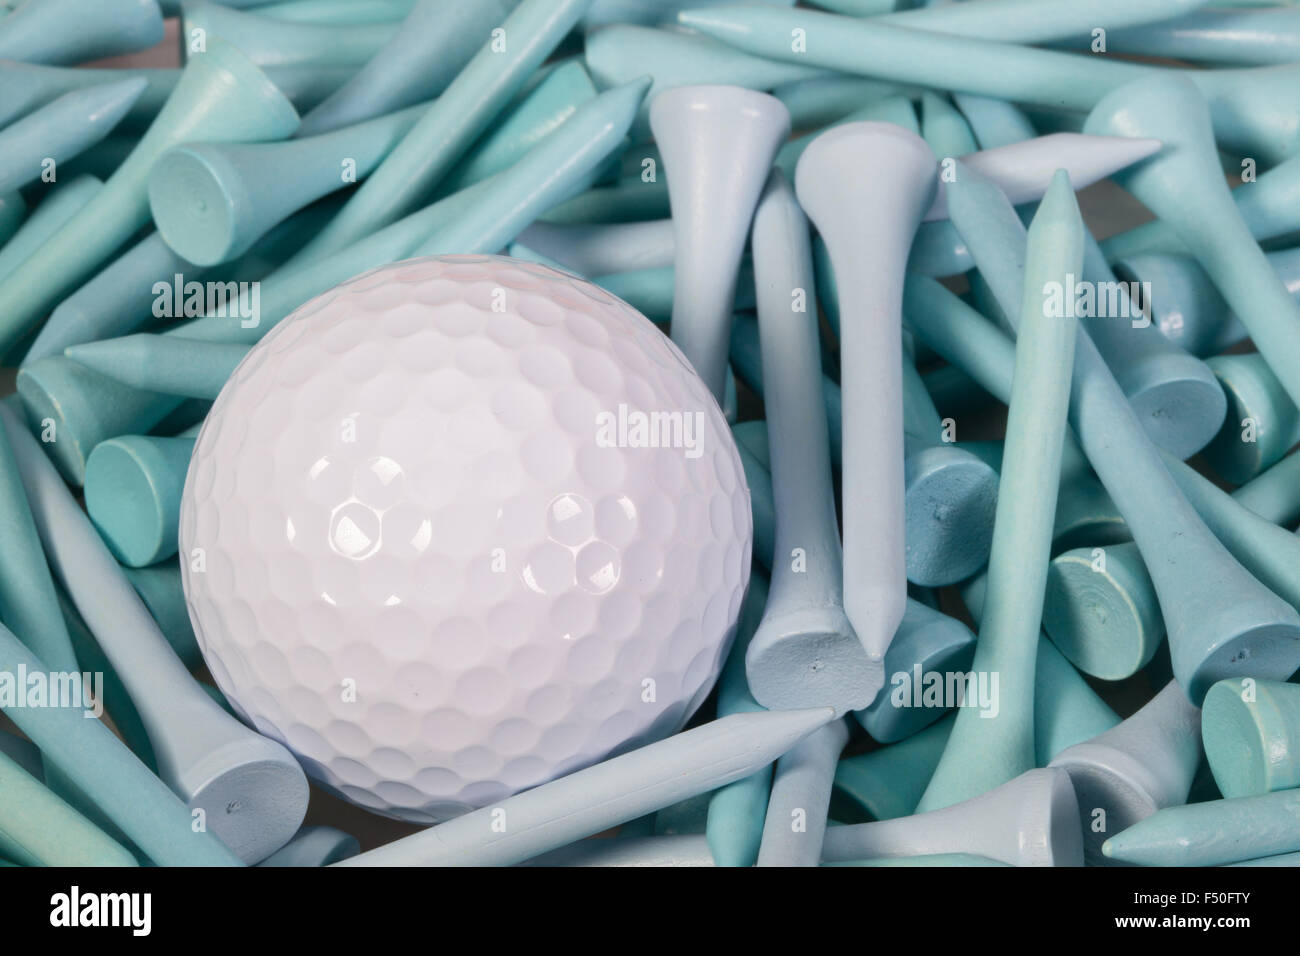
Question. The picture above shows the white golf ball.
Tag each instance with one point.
(459, 526)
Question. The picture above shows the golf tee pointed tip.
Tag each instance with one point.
(622, 103)
(1058, 219)
(1132, 845)
(641, 85)
(865, 186)
(113, 100)
(93, 355)
(63, 130)
(1060, 193)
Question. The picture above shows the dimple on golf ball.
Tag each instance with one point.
(459, 526)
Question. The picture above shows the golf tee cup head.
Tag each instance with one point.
(717, 143)
(459, 526)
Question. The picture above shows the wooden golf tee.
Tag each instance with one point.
(27, 594)
(897, 110)
(865, 186)
(823, 99)
(13, 210)
(1029, 821)
(588, 801)
(117, 702)
(1212, 833)
(983, 753)
(1175, 395)
(118, 299)
(1134, 769)
(1012, 21)
(535, 111)
(1023, 170)
(212, 201)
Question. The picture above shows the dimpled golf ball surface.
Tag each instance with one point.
(422, 554)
